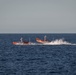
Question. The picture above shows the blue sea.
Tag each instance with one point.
(56, 58)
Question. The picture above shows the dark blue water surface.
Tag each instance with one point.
(37, 59)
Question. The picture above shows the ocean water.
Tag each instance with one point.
(56, 58)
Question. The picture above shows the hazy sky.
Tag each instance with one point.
(37, 16)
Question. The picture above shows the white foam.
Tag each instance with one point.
(59, 42)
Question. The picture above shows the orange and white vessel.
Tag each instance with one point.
(21, 42)
(42, 41)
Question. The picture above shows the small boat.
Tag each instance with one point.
(21, 42)
(42, 41)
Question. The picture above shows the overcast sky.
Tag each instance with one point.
(37, 16)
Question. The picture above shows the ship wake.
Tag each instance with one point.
(59, 42)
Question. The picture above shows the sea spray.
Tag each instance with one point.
(58, 42)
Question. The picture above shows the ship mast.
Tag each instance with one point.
(45, 38)
(21, 39)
